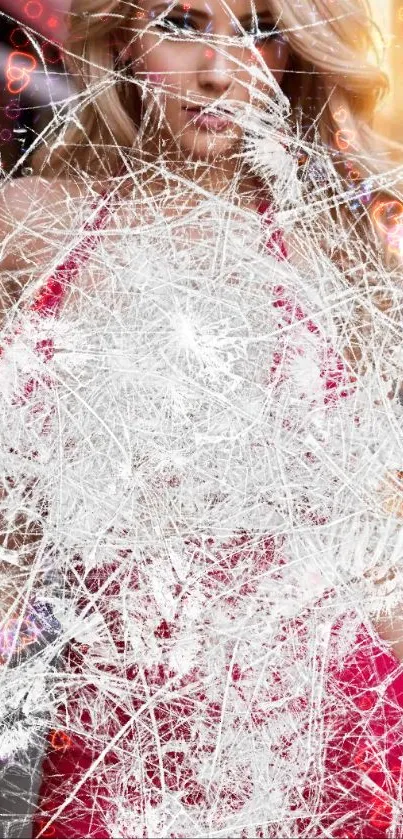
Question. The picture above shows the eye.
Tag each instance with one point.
(176, 23)
(266, 31)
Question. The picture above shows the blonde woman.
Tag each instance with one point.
(200, 428)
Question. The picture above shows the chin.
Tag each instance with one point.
(208, 146)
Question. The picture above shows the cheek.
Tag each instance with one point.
(161, 62)
(275, 56)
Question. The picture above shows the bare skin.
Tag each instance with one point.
(202, 54)
(213, 65)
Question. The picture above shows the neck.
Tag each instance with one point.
(158, 175)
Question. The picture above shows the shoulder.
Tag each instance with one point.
(34, 215)
(390, 629)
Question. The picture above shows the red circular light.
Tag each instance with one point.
(60, 741)
(47, 832)
(33, 9)
(18, 38)
(13, 110)
(365, 702)
(19, 67)
(345, 138)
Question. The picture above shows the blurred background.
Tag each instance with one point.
(389, 17)
(32, 73)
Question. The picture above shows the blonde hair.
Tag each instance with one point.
(330, 80)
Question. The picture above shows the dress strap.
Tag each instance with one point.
(50, 296)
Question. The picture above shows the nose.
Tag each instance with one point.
(216, 70)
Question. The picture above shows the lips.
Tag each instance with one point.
(204, 119)
(197, 108)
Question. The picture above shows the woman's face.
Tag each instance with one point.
(197, 54)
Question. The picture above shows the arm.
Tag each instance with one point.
(390, 629)
(390, 626)
(34, 217)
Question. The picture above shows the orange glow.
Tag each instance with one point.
(60, 741)
(388, 15)
(388, 218)
(354, 175)
(18, 71)
(344, 139)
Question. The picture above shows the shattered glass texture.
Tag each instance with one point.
(217, 496)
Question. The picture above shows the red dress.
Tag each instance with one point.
(360, 784)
